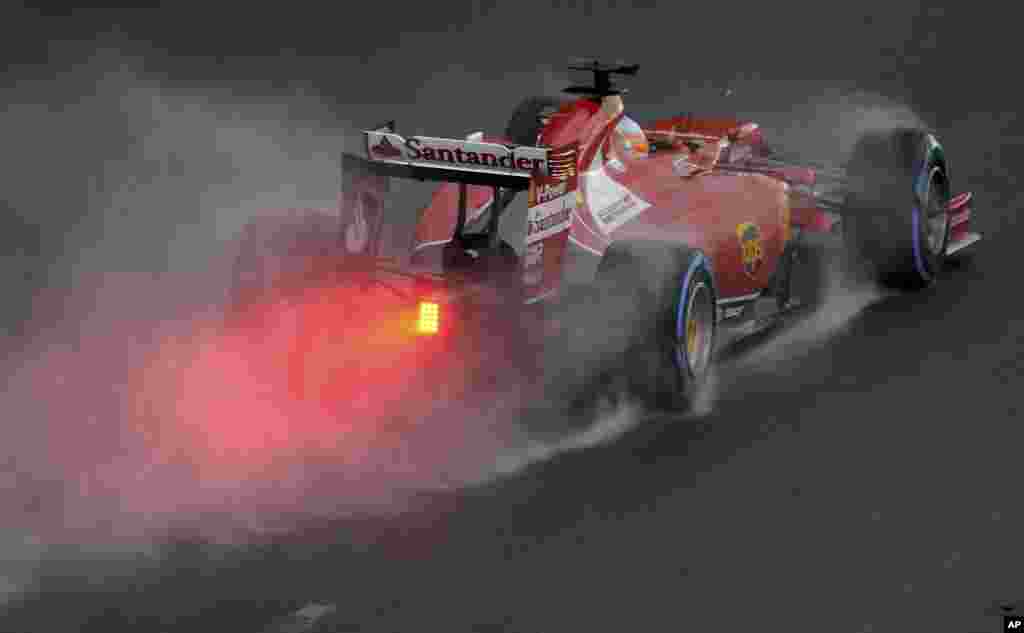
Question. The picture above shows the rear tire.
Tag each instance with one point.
(525, 124)
(665, 295)
(895, 217)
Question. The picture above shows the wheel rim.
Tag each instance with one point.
(936, 220)
(695, 345)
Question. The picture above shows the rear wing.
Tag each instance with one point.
(507, 169)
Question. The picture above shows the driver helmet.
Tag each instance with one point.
(629, 140)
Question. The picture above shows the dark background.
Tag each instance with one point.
(864, 479)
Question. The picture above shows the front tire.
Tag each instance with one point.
(895, 217)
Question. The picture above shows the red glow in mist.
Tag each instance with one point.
(135, 417)
(335, 371)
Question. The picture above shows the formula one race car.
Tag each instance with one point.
(660, 237)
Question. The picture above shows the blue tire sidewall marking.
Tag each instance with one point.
(919, 263)
(681, 312)
(921, 185)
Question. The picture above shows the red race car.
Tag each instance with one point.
(644, 244)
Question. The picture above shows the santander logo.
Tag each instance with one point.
(385, 149)
(519, 160)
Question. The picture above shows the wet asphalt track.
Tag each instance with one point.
(870, 484)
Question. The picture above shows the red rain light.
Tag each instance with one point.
(429, 319)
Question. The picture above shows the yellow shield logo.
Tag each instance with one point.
(751, 252)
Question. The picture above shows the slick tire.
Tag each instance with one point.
(895, 220)
(526, 122)
(661, 300)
